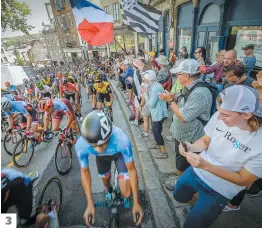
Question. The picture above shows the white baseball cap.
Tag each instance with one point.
(188, 66)
(149, 75)
(243, 99)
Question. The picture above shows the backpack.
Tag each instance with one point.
(214, 89)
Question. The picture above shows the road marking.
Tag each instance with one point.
(11, 163)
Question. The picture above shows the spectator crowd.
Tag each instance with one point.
(216, 124)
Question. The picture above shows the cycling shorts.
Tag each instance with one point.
(69, 96)
(102, 96)
(103, 164)
(32, 113)
(58, 115)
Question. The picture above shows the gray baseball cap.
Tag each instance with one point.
(243, 99)
(188, 66)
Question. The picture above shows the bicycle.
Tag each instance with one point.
(46, 201)
(64, 149)
(114, 204)
(28, 143)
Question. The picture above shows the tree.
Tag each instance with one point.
(13, 15)
(19, 60)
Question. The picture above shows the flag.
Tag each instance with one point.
(142, 18)
(94, 25)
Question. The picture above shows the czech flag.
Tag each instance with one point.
(94, 25)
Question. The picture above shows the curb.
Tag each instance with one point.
(161, 211)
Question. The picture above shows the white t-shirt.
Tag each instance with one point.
(232, 149)
(45, 89)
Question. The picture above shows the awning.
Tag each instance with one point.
(72, 50)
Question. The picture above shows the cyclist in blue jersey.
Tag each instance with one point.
(29, 114)
(108, 143)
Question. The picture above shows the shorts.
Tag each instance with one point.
(100, 97)
(145, 111)
(128, 86)
(68, 96)
(103, 164)
(32, 114)
(59, 114)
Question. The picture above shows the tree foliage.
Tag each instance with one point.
(13, 15)
(19, 60)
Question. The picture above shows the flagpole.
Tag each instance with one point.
(120, 46)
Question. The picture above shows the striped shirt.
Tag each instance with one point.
(198, 104)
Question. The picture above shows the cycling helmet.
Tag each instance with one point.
(96, 128)
(25, 81)
(5, 104)
(39, 84)
(98, 78)
(71, 79)
(45, 104)
(7, 83)
(3, 90)
(65, 80)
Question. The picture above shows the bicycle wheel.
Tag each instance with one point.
(63, 158)
(51, 196)
(23, 152)
(114, 222)
(10, 141)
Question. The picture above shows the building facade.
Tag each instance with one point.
(66, 30)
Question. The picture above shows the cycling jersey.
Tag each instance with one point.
(11, 88)
(46, 89)
(105, 89)
(11, 97)
(18, 107)
(69, 88)
(118, 143)
(61, 107)
(47, 81)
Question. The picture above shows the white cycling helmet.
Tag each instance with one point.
(5, 104)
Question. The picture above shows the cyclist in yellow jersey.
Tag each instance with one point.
(102, 91)
(47, 81)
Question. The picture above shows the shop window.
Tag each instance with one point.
(184, 39)
(58, 4)
(115, 12)
(211, 15)
(106, 9)
(201, 39)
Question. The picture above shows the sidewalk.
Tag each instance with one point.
(157, 171)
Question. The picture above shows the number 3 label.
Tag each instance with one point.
(8, 220)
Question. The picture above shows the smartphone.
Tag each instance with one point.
(184, 145)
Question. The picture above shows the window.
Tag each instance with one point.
(5, 59)
(211, 15)
(2, 51)
(115, 12)
(106, 9)
(58, 4)
(66, 3)
(184, 39)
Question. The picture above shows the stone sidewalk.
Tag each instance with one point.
(157, 171)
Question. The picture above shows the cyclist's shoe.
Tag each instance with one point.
(48, 136)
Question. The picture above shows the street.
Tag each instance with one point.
(74, 203)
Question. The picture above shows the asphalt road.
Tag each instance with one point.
(74, 202)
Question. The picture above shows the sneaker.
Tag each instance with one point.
(170, 138)
(253, 192)
(161, 155)
(170, 186)
(134, 123)
(154, 146)
(227, 209)
(145, 134)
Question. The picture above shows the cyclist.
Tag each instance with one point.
(42, 90)
(47, 81)
(15, 184)
(10, 108)
(5, 93)
(58, 108)
(108, 143)
(102, 91)
(29, 89)
(11, 88)
(69, 90)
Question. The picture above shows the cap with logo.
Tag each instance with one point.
(188, 66)
(243, 99)
(149, 75)
(248, 46)
(162, 60)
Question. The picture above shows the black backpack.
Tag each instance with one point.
(214, 91)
